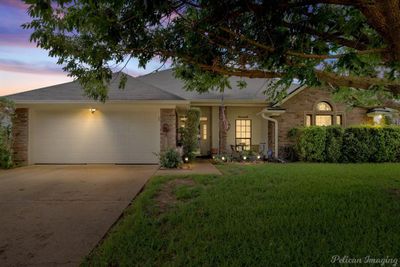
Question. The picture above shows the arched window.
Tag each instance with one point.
(323, 106)
(323, 115)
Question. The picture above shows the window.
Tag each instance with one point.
(204, 132)
(243, 133)
(323, 120)
(308, 120)
(323, 106)
(339, 120)
(323, 115)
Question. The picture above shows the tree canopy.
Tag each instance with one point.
(349, 46)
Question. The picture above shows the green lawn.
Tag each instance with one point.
(262, 215)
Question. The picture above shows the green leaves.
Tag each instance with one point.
(190, 133)
(209, 40)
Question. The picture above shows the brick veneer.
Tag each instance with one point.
(21, 136)
(167, 129)
(304, 102)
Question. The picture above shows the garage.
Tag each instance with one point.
(73, 134)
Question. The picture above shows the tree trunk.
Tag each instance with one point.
(222, 131)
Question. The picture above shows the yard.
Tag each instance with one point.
(262, 215)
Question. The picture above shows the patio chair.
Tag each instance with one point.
(235, 154)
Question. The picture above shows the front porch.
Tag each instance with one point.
(246, 129)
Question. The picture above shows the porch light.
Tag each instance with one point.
(378, 119)
(186, 159)
(92, 110)
(378, 115)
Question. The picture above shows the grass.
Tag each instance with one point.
(262, 215)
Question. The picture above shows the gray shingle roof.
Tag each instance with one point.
(160, 85)
(253, 91)
(135, 89)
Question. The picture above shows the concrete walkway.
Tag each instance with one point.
(55, 215)
(197, 167)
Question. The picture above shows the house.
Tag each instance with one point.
(58, 125)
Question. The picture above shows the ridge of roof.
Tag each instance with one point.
(135, 89)
(254, 91)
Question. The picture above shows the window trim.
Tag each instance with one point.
(251, 131)
(315, 112)
(324, 102)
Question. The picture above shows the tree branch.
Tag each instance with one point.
(301, 54)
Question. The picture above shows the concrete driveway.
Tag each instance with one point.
(55, 215)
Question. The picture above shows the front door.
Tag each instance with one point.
(204, 137)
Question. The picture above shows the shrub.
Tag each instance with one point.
(392, 143)
(333, 145)
(189, 134)
(7, 109)
(6, 160)
(221, 158)
(371, 144)
(170, 159)
(311, 144)
(354, 144)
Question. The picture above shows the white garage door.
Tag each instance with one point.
(109, 135)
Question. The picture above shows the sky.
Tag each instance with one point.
(23, 66)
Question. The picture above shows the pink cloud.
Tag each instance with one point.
(16, 40)
(37, 68)
(14, 3)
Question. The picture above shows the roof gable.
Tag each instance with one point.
(135, 89)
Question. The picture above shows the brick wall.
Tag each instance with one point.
(20, 135)
(167, 129)
(304, 102)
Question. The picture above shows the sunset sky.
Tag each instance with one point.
(23, 66)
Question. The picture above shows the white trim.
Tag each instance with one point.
(289, 96)
(276, 133)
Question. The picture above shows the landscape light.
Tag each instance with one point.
(186, 159)
(244, 157)
(258, 157)
(223, 158)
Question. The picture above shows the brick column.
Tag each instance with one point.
(21, 136)
(167, 129)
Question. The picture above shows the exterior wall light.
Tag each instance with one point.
(378, 119)
(92, 110)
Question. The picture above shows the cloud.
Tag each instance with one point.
(14, 3)
(12, 15)
(18, 40)
(24, 67)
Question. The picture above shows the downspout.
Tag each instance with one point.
(276, 132)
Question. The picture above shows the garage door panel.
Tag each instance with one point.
(109, 136)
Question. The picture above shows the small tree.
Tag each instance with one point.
(190, 133)
(7, 109)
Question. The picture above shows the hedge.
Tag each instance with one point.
(353, 144)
